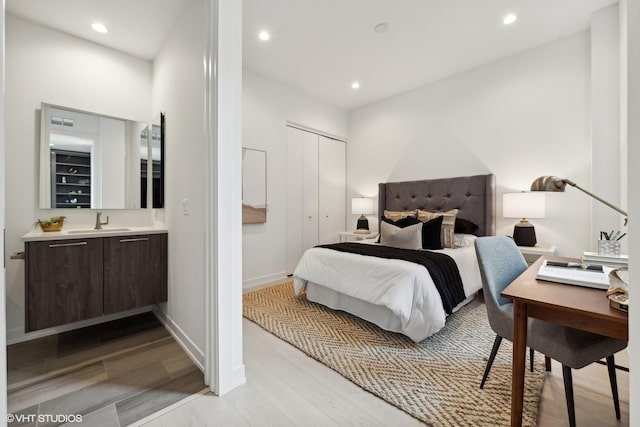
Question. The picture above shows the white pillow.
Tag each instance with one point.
(405, 238)
(464, 240)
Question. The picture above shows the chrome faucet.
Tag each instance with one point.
(99, 223)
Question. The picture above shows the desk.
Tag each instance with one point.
(574, 306)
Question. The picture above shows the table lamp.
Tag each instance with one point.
(362, 206)
(523, 205)
(553, 183)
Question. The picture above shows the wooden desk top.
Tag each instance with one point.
(570, 300)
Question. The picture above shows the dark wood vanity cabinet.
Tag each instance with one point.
(64, 282)
(72, 280)
(135, 271)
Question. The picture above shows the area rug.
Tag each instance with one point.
(436, 381)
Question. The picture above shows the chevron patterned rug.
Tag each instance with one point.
(436, 381)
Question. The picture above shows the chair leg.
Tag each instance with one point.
(611, 366)
(568, 392)
(530, 359)
(494, 351)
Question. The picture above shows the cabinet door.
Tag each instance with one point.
(63, 282)
(332, 184)
(135, 271)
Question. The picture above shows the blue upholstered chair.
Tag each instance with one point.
(500, 263)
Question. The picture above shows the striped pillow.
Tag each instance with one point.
(448, 224)
(406, 238)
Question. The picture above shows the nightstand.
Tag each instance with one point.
(532, 253)
(346, 235)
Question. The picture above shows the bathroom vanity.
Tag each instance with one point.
(74, 275)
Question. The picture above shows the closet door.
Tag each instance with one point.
(310, 215)
(294, 213)
(332, 184)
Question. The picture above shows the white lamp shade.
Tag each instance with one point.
(523, 205)
(361, 206)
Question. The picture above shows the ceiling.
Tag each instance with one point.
(322, 46)
(137, 27)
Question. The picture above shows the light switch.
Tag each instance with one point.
(185, 207)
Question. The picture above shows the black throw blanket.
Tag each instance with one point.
(441, 267)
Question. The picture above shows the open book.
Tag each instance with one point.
(575, 276)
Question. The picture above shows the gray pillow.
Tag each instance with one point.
(405, 238)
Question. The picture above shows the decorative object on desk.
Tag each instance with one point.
(523, 205)
(362, 206)
(553, 183)
(52, 224)
(608, 247)
(610, 260)
(618, 292)
(570, 275)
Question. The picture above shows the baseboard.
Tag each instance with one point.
(257, 282)
(181, 338)
(16, 335)
(239, 376)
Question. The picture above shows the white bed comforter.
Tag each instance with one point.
(405, 288)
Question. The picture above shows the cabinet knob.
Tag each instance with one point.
(309, 216)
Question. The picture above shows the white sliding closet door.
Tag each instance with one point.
(316, 186)
(331, 189)
(310, 201)
(294, 213)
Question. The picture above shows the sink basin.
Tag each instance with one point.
(91, 230)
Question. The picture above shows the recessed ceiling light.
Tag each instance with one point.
(510, 19)
(99, 27)
(381, 28)
(264, 36)
(355, 85)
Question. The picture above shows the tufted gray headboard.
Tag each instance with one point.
(473, 196)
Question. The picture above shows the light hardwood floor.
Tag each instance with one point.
(287, 388)
(112, 374)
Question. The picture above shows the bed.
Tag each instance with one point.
(398, 295)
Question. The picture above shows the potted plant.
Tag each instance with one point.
(54, 223)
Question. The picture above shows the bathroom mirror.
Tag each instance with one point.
(154, 170)
(89, 160)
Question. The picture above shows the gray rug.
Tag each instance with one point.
(436, 381)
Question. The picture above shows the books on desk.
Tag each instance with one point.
(611, 260)
(571, 275)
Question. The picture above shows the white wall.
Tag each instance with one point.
(606, 149)
(267, 106)
(43, 65)
(631, 110)
(178, 90)
(520, 117)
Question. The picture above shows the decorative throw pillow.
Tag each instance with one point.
(396, 215)
(464, 226)
(405, 238)
(402, 223)
(464, 240)
(431, 231)
(448, 222)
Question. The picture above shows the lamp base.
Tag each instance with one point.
(524, 234)
(363, 223)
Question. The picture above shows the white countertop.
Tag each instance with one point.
(86, 233)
